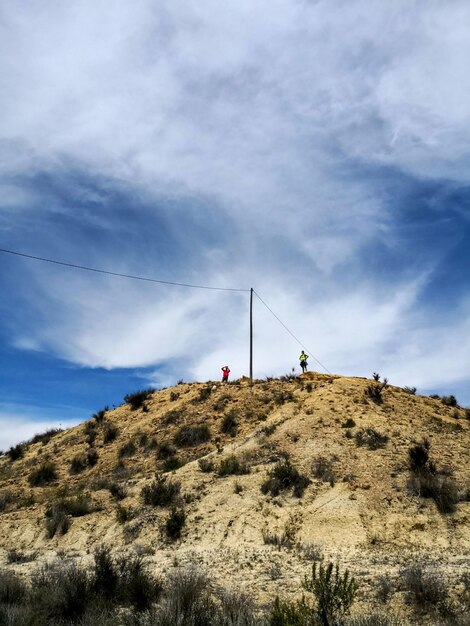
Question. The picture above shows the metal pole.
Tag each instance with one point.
(251, 335)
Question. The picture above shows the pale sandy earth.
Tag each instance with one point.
(367, 521)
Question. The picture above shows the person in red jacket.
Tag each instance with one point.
(225, 373)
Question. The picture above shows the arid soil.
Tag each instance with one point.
(357, 507)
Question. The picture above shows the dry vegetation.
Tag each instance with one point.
(247, 486)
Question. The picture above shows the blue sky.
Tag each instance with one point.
(320, 156)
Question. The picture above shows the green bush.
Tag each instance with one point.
(46, 436)
(12, 588)
(127, 449)
(285, 476)
(92, 457)
(206, 465)
(57, 522)
(449, 401)
(425, 585)
(286, 613)
(322, 468)
(78, 464)
(334, 593)
(232, 466)
(16, 452)
(203, 395)
(188, 436)
(371, 438)
(427, 482)
(172, 463)
(175, 523)
(100, 415)
(165, 450)
(138, 398)
(110, 432)
(374, 391)
(122, 514)
(229, 424)
(43, 475)
(161, 492)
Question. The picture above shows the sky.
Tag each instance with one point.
(317, 152)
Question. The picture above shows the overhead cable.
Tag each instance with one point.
(133, 277)
(290, 332)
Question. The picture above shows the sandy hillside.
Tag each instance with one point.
(351, 502)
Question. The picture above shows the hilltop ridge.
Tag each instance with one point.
(268, 477)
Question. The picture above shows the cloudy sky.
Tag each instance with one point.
(318, 152)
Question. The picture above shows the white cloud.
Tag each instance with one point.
(20, 423)
(259, 109)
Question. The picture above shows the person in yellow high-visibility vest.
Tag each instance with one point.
(303, 361)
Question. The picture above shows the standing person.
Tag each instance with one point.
(225, 373)
(303, 361)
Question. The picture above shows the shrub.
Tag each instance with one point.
(174, 395)
(161, 492)
(349, 423)
(104, 574)
(78, 464)
(60, 593)
(427, 482)
(203, 395)
(311, 551)
(138, 398)
(281, 397)
(322, 468)
(92, 457)
(117, 490)
(110, 432)
(418, 456)
(371, 438)
(229, 424)
(136, 587)
(175, 523)
(46, 436)
(376, 376)
(375, 619)
(449, 401)
(12, 588)
(411, 390)
(286, 613)
(221, 403)
(57, 522)
(173, 416)
(334, 593)
(172, 463)
(232, 466)
(284, 476)
(425, 585)
(6, 497)
(206, 465)
(165, 450)
(268, 430)
(122, 514)
(188, 436)
(127, 449)
(375, 390)
(16, 556)
(100, 415)
(43, 475)
(384, 588)
(442, 489)
(16, 452)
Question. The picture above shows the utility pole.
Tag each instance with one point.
(251, 335)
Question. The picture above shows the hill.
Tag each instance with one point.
(253, 483)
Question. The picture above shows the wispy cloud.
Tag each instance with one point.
(274, 145)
